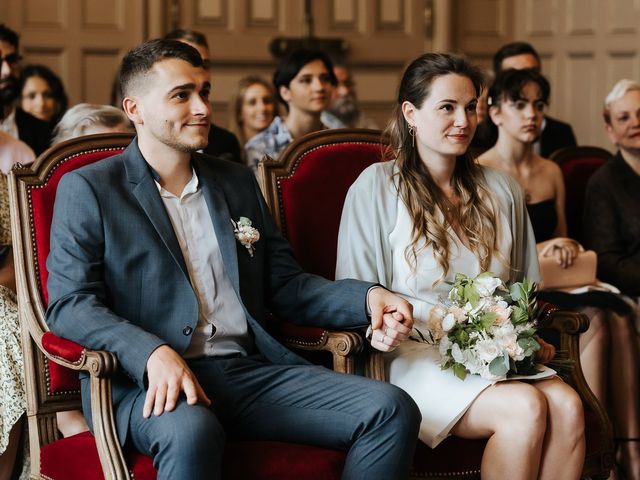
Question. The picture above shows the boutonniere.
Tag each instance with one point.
(246, 234)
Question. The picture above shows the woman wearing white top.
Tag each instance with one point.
(413, 223)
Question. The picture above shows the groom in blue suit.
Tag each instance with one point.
(169, 259)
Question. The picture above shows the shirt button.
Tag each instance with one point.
(186, 331)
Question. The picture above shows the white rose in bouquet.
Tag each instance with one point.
(486, 285)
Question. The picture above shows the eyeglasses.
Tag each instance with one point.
(11, 59)
(206, 64)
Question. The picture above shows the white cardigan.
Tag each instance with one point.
(370, 212)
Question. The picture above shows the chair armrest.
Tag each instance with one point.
(342, 345)
(74, 356)
(101, 365)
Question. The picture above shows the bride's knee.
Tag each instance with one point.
(566, 411)
(527, 412)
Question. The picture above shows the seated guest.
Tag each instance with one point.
(303, 81)
(222, 143)
(87, 119)
(344, 109)
(129, 272)
(518, 99)
(42, 94)
(13, 401)
(253, 107)
(612, 224)
(612, 217)
(13, 120)
(554, 134)
(418, 220)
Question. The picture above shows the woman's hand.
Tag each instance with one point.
(546, 352)
(565, 250)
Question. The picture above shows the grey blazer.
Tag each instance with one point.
(118, 281)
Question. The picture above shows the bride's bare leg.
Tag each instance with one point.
(594, 352)
(513, 416)
(564, 445)
(625, 391)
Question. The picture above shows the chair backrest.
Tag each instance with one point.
(578, 164)
(32, 191)
(306, 186)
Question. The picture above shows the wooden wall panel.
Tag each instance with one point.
(38, 13)
(107, 15)
(582, 17)
(263, 13)
(622, 17)
(481, 27)
(344, 15)
(541, 17)
(99, 69)
(213, 13)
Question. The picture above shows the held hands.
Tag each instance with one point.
(546, 352)
(169, 375)
(391, 319)
(565, 250)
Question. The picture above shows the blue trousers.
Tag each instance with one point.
(252, 399)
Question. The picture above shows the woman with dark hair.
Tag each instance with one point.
(413, 223)
(518, 99)
(253, 107)
(42, 93)
(303, 81)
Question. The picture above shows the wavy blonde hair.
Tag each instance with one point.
(424, 199)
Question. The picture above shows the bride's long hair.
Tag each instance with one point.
(475, 216)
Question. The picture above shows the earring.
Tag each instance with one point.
(412, 132)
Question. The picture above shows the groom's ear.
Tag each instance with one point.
(132, 109)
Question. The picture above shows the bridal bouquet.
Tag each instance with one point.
(485, 328)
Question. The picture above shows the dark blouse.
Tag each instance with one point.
(543, 218)
(612, 224)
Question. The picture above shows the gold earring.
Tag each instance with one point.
(412, 132)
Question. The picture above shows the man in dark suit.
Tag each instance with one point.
(555, 134)
(169, 259)
(13, 120)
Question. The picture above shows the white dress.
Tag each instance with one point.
(441, 396)
(374, 231)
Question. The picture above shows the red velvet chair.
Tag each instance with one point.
(52, 363)
(305, 189)
(578, 164)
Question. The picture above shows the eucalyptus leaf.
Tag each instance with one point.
(499, 366)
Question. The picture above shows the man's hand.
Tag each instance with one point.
(391, 319)
(169, 375)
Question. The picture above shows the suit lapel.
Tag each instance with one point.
(221, 218)
(146, 192)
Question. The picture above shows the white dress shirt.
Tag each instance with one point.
(222, 325)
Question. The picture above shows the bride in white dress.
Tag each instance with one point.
(414, 222)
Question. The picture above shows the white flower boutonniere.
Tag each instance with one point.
(246, 234)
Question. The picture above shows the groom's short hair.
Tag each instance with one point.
(139, 61)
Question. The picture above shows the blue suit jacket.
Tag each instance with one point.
(118, 281)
